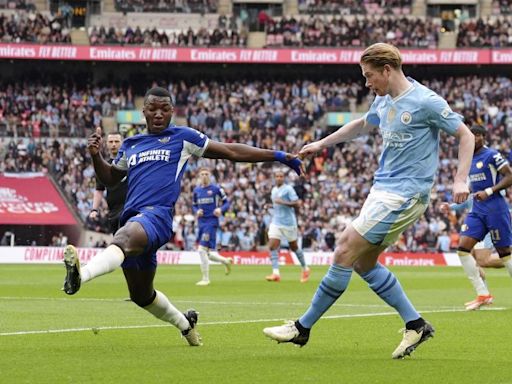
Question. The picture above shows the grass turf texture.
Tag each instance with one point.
(116, 342)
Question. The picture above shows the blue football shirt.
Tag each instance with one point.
(283, 214)
(208, 199)
(484, 173)
(410, 125)
(155, 164)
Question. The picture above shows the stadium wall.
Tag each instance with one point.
(53, 255)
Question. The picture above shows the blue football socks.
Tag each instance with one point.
(382, 281)
(274, 258)
(330, 289)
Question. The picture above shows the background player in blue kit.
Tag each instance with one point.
(155, 164)
(206, 199)
(284, 226)
(489, 176)
(410, 118)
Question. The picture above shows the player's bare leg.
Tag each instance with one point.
(485, 258)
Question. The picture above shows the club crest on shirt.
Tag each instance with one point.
(480, 164)
(164, 140)
(405, 118)
(464, 228)
(209, 192)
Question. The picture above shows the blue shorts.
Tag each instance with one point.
(157, 223)
(498, 225)
(207, 236)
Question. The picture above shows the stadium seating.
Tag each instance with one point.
(273, 115)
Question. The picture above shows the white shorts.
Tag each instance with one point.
(386, 215)
(281, 232)
(486, 243)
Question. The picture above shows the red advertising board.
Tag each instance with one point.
(244, 56)
(31, 199)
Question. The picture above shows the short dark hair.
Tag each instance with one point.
(479, 129)
(158, 92)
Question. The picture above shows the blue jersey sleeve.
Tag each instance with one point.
(121, 161)
(440, 115)
(224, 199)
(372, 117)
(194, 142)
(498, 160)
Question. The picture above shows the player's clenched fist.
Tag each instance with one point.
(94, 142)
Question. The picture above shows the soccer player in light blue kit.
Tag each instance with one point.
(205, 204)
(489, 176)
(284, 226)
(155, 164)
(410, 118)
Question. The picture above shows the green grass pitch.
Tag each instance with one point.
(97, 336)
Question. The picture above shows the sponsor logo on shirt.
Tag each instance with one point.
(151, 155)
(396, 139)
(477, 177)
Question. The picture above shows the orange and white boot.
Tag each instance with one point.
(480, 301)
(273, 277)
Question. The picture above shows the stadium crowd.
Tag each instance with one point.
(358, 31)
(350, 7)
(31, 27)
(182, 6)
(281, 116)
(494, 32)
(36, 109)
(155, 38)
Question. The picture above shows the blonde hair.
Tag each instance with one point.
(380, 54)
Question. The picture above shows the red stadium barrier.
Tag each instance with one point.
(239, 55)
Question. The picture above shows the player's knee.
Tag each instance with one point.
(142, 299)
(463, 250)
(503, 252)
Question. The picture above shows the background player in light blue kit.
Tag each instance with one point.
(205, 204)
(489, 176)
(284, 226)
(410, 118)
(155, 164)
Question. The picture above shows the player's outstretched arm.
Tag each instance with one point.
(247, 154)
(349, 131)
(466, 148)
(504, 183)
(108, 174)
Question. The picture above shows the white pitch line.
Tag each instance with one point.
(96, 329)
(273, 303)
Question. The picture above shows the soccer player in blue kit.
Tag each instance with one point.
(489, 176)
(205, 204)
(410, 118)
(155, 164)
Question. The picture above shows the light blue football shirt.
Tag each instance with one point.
(284, 215)
(410, 125)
